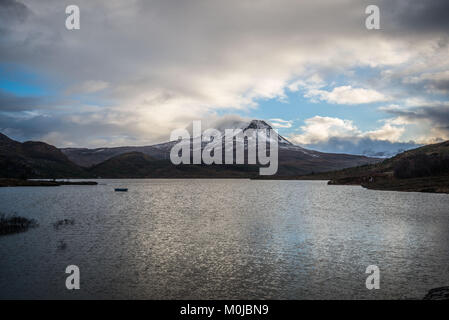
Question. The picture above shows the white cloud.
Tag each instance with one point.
(347, 95)
(321, 129)
(314, 81)
(343, 136)
(280, 123)
(388, 132)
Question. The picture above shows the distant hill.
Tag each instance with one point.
(85, 157)
(35, 160)
(424, 169)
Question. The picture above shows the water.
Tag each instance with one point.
(225, 239)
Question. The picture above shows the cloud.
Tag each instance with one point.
(280, 123)
(422, 102)
(89, 86)
(340, 135)
(415, 16)
(436, 82)
(388, 132)
(11, 102)
(12, 11)
(319, 128)
(314, 81)
(433, 119)
(158, 65)
(363, 146)
(347, 95)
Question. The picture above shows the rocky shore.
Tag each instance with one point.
(439, 184)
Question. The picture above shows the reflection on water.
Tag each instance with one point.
(225, 239)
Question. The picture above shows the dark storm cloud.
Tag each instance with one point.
(437, 115)
(28, 128)
(441, 86)
(56, 127)
(11, 102)
(12, 11)
(415, 16)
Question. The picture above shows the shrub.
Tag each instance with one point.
(421, 165)
(15, 224)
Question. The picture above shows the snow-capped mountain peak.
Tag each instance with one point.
(258, 124)
(262, 125)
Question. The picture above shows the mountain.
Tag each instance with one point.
(424, 169)
(293, 160)
(41, 160)
(89, 157)
(85, 157)
(34, 160)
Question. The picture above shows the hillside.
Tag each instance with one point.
(85, 157)
(139, 165)
(424, 169)
(35, 160)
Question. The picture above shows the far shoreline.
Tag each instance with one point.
(11, 182)
(432, 184)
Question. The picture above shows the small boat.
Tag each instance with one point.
(121, 189)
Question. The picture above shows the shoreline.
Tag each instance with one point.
(7, 182)
(383, 182)
(436, 184)
(439, 184)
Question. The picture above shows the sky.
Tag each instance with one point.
(136, 70)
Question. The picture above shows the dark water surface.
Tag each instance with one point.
(230, 239)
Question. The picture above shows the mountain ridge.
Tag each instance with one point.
(86, 157)
(40, 160)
